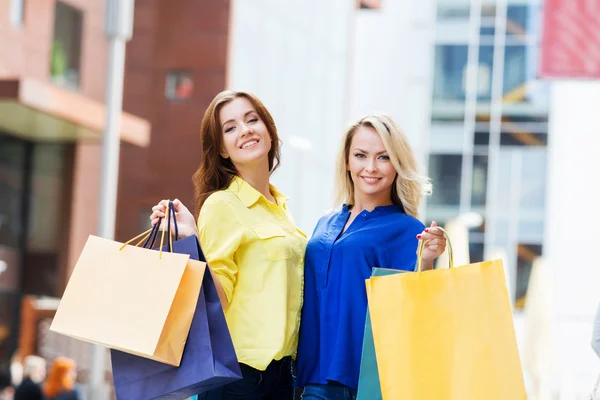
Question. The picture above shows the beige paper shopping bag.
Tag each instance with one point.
(135, 300)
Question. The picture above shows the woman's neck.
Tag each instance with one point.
(258, 178)
(369, 203)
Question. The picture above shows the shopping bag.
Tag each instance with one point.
(132, 299)
(445, 334)
(368, 380)
(209, 358)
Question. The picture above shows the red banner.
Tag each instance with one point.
(571, 39)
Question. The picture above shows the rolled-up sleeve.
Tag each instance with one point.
(220, 236)
(596, 333)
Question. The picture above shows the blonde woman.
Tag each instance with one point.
(380, 192)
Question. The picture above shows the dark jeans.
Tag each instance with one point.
(274, 383)
(332, 391)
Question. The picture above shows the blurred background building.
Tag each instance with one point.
(508, 140)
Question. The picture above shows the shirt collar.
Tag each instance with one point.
(249, 196)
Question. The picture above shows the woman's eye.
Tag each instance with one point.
(253, 120)
(385, 158)
(229, 129)
(359, 155)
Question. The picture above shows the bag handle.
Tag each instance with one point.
(154, 230)
(422, 246)
(152, 233)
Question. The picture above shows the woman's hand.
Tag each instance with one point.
(186, 223)
(435, 244)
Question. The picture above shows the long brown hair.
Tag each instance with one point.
(59, 378)
(216, 172)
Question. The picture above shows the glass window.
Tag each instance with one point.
(179, 85)
(450, 72)
(450, 63)
(527, 254)
(12, 171)
(445, 171)
(522, 20)
(66, 46)
(476, 251)
(48, 211)
(9, 308)
(533, 179)
(521, 138)
(512, 137)
(479, 184)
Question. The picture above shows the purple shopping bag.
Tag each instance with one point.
(208, 361)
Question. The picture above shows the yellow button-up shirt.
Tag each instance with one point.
(257, 252)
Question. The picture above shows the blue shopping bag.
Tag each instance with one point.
(368, 380)
(209, 360)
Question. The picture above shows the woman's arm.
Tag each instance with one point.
(220, 234)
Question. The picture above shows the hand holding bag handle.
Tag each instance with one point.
(149, 236)
(422, 247)
(154, 231)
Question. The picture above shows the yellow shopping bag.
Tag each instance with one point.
(132, 299)
(445, 334)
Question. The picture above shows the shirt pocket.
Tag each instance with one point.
(274, 239)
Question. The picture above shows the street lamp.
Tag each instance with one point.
(118, 30)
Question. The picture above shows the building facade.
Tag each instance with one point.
(52, 76)
(176, 63)
(52, 91)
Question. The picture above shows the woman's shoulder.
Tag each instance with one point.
(332, 213)
(221, 196)
(223, 200)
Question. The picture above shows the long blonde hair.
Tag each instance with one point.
(409, 188)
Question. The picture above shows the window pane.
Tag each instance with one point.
(12, 164)
(445, 171)
(476, 251)
(450, 78)
(48, 206)
(179, 85)
(447, 137)
(479, 184)
(66, 46)
(533, 179)
(9, 306)
(527, 254)
(12, 170)
(520, 138)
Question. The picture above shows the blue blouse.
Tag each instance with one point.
(335, 298)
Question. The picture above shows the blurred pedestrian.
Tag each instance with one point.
(250, 241)
(60, 384)
(34, 373)
(6, 389)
